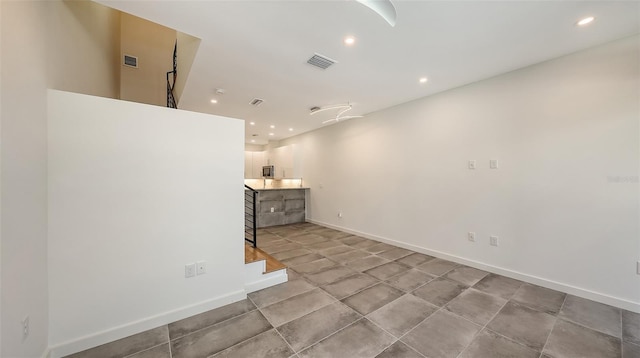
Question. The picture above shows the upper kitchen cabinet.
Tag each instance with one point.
(253, 162)
(287, 161)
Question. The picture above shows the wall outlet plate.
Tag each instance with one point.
(493, 163)
(472, 164)
(273, 209)
(471, 236)
(493, 240)
(201, 267)
(638, 267)
(189, 270)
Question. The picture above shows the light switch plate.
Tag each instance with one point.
(472, 164)
(493, 163)
(493, 240)
(189, 270)
(201, 267)
(471, 236)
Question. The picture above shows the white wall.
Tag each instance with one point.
(40, 41)
(564, 132)
(135, 193)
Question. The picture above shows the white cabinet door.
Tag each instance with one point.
(248, 165)
(287, 161)
(259, 160)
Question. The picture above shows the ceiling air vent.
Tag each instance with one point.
(130, 61)
(321, 61)
(256, 102)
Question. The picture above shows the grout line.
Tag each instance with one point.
(212, 325)
(332, 334)
(391, 334)
(554, 324)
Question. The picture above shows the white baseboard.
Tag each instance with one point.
(132, 328)
(558, 286)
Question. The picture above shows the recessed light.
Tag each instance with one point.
(214, 101)
(586, 21)
(253, 141)
(423, 80)
(290, 129)
(252, 123)
(270, 133)
(272, 126)
(349, 40)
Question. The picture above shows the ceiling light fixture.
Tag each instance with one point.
(423, 80)
(383, 8)
(339, 117)
(586, 21)
(252, 123)
(349, 40)
(272, 126)
(270, 133)
(214, 101)
(253, 141)
(290, 129)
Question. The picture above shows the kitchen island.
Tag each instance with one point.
(281, 206)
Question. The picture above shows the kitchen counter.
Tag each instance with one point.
(280, 206)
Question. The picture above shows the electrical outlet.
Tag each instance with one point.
(493, 240)
(25, 328)
(189, 270)
(493, 163)
(273, 209)
(472, 164)
(339, 214)
(201, 267)
(471, 236)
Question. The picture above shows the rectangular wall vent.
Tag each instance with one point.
(256, 102)
(321, 61)
(130, 61)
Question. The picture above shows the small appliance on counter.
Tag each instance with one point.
(268, 171)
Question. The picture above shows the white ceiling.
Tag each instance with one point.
(260, 48)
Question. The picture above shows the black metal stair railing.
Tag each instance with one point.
(250, 216)
(171, 79)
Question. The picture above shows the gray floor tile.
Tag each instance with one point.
(415, 259)
(129, 345)
(330, 275)
(490, 345)
(364, 244)
(466, 275)
(290, 254)
(409, 280)
(631, 326)
(324, 245)
(399, 350)
(214, 339)
(441, 335)
(372, 298)
(280, 292)
(378, 248)
(209, 318)
(333, 234)
(313, 266)
(591, 314)
(346, 257)
(630, 350)
(540, 298)
(387, 270)
(161, 351)
(523, 324)
(264, 244)
(336, 250)
(308, 239)
(271, 250)
(366, 263)
(292, 275)
(476, 306)
(395, 253)
(349, 285)
(360, 340)
(309, 329)
(437, 267)
(265, 345)
(296, 306)
(498, 285)
(571, 340)
(298, 260)
(352, 240)
(439, 291)
(401, 315)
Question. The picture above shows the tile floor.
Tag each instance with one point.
(352, 297)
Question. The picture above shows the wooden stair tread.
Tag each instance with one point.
(254, 254)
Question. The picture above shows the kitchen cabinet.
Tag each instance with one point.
(253, 162)
(286, 161)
